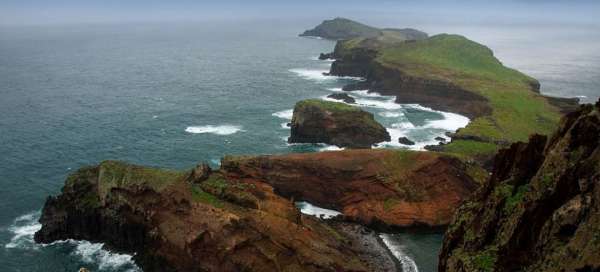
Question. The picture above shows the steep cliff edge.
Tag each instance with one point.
(381, 188)
(195, 221)
(540, 210)
(318, 121)
(452, 73)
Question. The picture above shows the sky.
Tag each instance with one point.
(45, 12)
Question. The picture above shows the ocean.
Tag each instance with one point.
(175, 94)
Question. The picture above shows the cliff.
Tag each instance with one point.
(318, 121)
(342, 29)
(451, 73)
(193, 221)
(380, 188)
(540, 210)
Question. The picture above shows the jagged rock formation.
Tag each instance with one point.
(540, 210)
(380, 188)
(318, 121)
(405, 141)
(203, 224)
(343, 97)
(342, 29)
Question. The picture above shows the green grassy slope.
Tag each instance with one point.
(517, 110)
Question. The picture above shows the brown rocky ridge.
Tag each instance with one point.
(177, 221)
(540, 210)
(380, 188)
(240, 217)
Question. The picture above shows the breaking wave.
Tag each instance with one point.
(218, 130)
(408, 264)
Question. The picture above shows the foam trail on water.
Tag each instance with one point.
(24, 227)
(218, 130)
(94, 253)
(284, 114)
(390, 114)
(327, 147)
(451, 121)
(408, 264)
(308, 208)
(319, 74)
(22, 230)
(312, 74)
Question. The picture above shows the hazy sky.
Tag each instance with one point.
(99, 11)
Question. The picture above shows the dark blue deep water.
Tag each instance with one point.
(172, 95)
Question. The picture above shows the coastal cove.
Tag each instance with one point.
(173, 101)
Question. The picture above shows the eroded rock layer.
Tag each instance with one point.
(374, 187)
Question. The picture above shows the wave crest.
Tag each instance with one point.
(218, 130)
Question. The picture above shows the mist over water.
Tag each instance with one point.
(173, 94)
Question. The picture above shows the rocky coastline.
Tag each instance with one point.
(539, 210)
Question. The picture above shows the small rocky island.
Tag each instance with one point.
(318, 121)
(343, 29)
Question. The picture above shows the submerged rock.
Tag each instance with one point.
(172, 224)
(440, 139)
(318, 121)
(540, 210)
(342, 96)
(405, 141)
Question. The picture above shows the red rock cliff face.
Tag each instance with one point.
(540, 210)
(385, 187)
(205, 224)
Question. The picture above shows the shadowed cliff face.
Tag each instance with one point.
(540, 210)
(384, 188)
(179, 222)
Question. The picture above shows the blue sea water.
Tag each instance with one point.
(172, 95)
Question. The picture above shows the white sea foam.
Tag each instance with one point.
(387, 104)
(335, 89)
(319, 74)
(284, 114)
(22, 230)
(312, 74)
(285, 125)
(218, 130)
(366, 93)
(24, 227)
(391, 114)
(327, 147)
(451, 121)
(94, 253)
(308, 208)
(408, 264)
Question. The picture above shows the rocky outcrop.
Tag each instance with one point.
(176, 221)
(343, 97)
(380, 188)
(405, 141)
(540, 210)
(318, 121)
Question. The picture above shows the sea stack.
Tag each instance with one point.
(318, 121)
